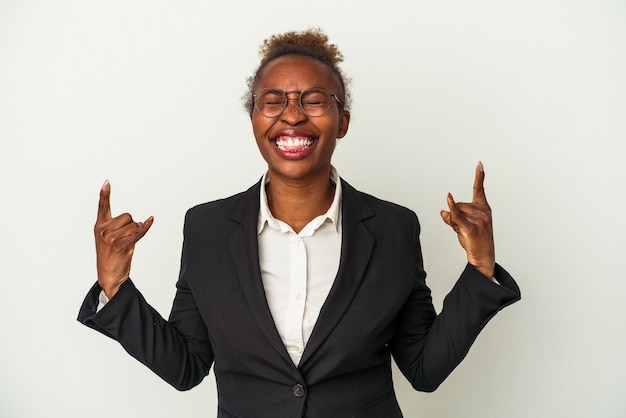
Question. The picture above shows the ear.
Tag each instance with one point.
(344, 122)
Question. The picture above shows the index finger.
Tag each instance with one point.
(479, 189)
(104, 204)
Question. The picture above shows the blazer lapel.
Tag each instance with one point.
(356, 248)
(245, 253)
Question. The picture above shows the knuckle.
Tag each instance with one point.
(108, 239)
(100, 228)
(99, 231)
(126, 217)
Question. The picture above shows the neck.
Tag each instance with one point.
(299, 202)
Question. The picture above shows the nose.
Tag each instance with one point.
(293, 113)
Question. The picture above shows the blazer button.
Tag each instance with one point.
(298, 391)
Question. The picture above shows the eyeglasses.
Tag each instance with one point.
(314, 102)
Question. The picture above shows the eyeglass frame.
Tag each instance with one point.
(287, 100)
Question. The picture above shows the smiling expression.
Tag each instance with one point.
(294, 145)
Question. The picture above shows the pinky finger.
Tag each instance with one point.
(145, 225)
(452, 205)
(142, 228)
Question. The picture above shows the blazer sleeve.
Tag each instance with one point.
(427, 348)
(177, 350)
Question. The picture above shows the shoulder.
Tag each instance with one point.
(377, 207)
(395, 228)
(235, 206)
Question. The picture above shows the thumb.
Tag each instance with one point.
(446, 216)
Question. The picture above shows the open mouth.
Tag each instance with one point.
(293, 144)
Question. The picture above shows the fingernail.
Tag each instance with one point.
(480, 166)
(450, 197)
(105, 184)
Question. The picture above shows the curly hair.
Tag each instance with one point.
(312, 43)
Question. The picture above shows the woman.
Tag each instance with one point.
(299, 290)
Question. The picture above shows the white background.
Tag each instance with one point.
(147, 94)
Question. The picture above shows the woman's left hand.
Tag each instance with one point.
(472, 223)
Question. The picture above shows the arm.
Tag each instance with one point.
(428, 348)
(177, 350)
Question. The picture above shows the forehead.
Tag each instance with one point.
(292, 72)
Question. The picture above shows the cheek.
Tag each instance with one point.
(259, 126)
(332, 127)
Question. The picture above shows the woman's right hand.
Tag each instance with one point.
(115, 243)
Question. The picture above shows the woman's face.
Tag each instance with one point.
(294, 145)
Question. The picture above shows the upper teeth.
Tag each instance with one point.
(293, 142)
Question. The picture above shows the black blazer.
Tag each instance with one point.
(379, 306)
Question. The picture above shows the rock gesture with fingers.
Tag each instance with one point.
(115, 243)
(473, 225)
